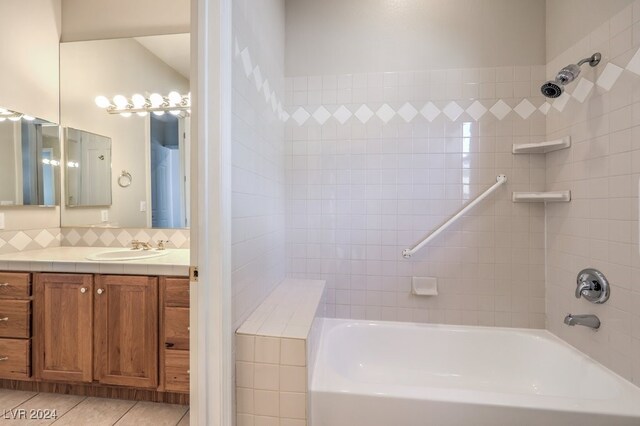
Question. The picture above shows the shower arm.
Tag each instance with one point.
(592, 60)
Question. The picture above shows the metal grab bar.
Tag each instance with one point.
(407, 253)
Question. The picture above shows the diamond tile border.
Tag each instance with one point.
(525, 108)
(30, 239)
(122, 237)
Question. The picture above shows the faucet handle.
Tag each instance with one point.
(593, 286)
(162, 244)
(136, 245)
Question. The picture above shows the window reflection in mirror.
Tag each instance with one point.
(29, 162)
(88, 169)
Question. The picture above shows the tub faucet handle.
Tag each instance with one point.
(593, 286)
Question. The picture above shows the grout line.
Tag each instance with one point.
(125, 413)
(69, 410)
(184, 415)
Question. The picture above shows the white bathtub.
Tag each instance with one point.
(403, 374)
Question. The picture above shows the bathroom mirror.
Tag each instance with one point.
(29, 161)
(87, 168)
(133, 92)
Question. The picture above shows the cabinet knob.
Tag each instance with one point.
(4, 319)
(4, 284)
(100, 291)
(83, 290)
(4, 358)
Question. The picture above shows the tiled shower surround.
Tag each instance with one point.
(377, 161)
(599, 228)
(258, 185)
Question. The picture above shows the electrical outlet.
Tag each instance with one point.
(105, 215)
(143, 206)
(2, 225)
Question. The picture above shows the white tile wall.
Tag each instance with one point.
(599, 228)
(376, 161)
(258, 189)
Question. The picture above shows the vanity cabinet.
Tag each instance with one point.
(126, 330)
(174, 331)
(101, 328)
(63, 327)
(116, 335)
(15, 325)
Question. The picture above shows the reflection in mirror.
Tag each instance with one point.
(88, 168)
(136, 92)
(29, 161)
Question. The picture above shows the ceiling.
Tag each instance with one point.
(172, 49)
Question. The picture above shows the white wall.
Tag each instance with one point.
(258, 191)
(599, 227)
(110, 67)
(30, 30)
(98, 19)
(348, 36)
(569, 21)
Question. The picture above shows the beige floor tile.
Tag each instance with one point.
(152, 414)
(12, 398)
(185, 420)
(45, 402)
(96, 412)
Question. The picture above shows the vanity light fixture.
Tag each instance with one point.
(174, 103)
(54, 163)
(7, 114)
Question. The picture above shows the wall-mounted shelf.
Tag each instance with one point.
(542, 147)
(542, 197)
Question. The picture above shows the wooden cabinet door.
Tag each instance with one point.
(126, 330)
(63, 327)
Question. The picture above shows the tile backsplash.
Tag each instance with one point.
(122, 237)
(30, 239)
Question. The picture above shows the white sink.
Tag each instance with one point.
(125, 254)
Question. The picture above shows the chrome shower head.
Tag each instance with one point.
(555, 88)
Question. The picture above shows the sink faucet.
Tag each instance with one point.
(590, 321)
(146, 246)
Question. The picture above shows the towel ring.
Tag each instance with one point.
(125, 179)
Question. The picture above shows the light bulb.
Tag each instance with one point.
(138, 100)
(3, 111)
(28, 117)
(142, 114)
(120, 101)
(103, 102)
(15, 117)
(158, 113)
(125, 114)
(2, 119)
(174, 112)
(175, 98)
(156, 100)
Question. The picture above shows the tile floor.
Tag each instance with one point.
(82, 411)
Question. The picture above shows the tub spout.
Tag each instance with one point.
(590, 321)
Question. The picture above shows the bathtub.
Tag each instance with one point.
(402, 374)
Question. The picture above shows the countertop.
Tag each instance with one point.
(74, 259)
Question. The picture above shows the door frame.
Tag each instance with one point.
(212, 330)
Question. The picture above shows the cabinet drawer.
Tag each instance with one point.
(15, 318)
(15, 284)
(176, 371)
(176, 292)
(176, 328)
(15, 359)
